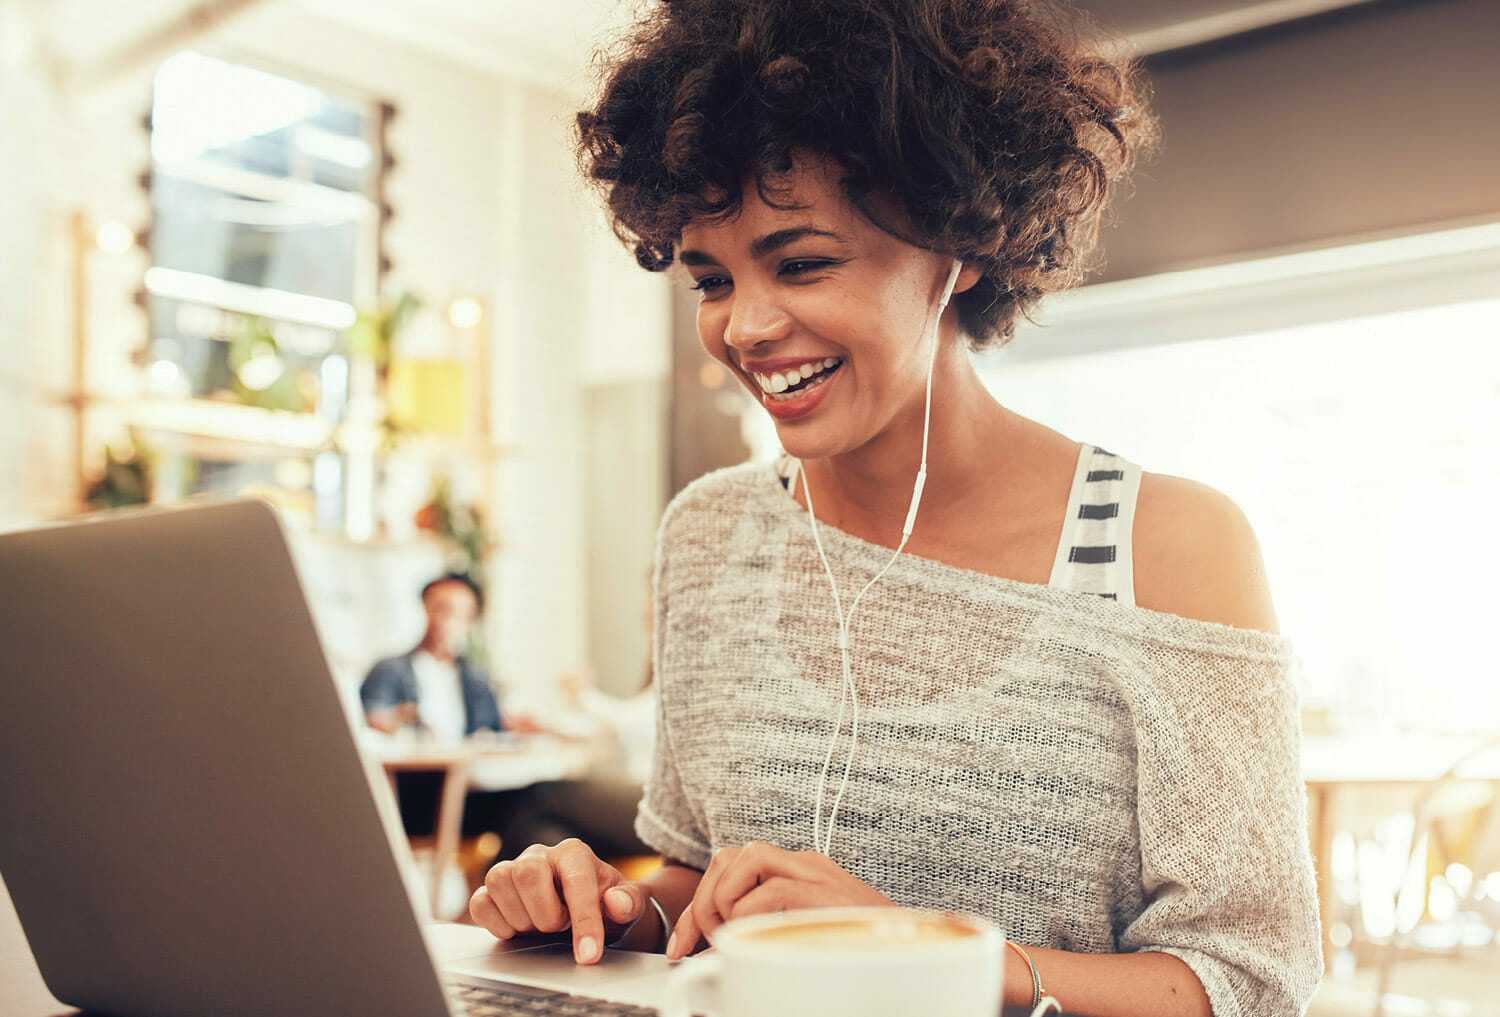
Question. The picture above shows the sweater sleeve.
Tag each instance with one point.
(666, 818)
(1221, 807)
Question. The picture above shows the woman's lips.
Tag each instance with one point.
(806, 401)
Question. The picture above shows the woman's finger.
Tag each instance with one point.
(623, 902)
(755, 864)
(577, 872)
(705, 914)
(536, 884)
(502, 892)
(482, 909)
(776, 894)
(690, 923)
(684, 936)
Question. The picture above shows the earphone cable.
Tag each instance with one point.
(848, 687)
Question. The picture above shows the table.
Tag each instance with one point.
(1406, 763)
(503, 764)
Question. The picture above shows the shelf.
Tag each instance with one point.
(230, 426)
(451, 447)
(260, 301)
(327, 201)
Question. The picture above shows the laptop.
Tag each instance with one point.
(187, 826)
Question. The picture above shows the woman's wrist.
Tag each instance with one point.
(1023, 988)
(648, 933)
(1017, 985)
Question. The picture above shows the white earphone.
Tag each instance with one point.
(849, 691)
(824, 842)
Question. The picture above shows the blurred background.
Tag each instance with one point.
(336, 253)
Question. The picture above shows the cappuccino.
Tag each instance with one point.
(899, 930)
(845, 962)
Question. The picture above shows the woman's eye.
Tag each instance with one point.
(709, 282)
(802, 266)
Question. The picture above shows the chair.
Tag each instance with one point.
(1436, 802)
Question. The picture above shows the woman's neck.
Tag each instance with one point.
(867, 491)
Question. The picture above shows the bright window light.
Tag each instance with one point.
(1362, 452)
(203, 104)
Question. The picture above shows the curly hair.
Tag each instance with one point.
(997, 126)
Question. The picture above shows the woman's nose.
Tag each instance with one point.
(752, 322)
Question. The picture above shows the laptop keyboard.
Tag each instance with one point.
(509, 1000)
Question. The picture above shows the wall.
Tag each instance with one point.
(25, 109)
(627, 357)
(1376, 120)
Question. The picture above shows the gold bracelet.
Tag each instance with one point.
(1036, 979)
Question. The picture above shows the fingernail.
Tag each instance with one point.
(620, 900)
(672, 944)
(588, 948)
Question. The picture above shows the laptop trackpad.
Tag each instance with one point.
(620, 975)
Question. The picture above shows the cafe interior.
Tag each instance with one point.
(337, 255)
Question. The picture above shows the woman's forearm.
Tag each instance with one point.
(1107, 985)
(1087, 985)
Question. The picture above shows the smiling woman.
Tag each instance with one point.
(1057, 699)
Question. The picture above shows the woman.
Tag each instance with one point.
(1074, 713)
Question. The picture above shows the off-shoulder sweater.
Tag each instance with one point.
(1091, 775)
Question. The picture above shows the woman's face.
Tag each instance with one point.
(816, 311)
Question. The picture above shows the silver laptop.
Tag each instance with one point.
(186, 824)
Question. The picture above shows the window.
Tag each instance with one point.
(265, 238)
(1362, 451)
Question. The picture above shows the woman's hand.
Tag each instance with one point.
(549, 889)
(759, 877)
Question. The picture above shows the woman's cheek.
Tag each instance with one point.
(711, 337)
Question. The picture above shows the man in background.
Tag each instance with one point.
(437, 690)
(433, 687)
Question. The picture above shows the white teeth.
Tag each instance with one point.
(783, 380)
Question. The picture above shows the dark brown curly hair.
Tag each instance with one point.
(997, 126)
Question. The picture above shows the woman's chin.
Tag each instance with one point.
(806, 440)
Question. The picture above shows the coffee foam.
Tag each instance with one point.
(896, 932)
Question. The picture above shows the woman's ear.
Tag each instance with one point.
(968, 276)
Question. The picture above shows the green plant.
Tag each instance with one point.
(461, 525)
(261, 377)
(375, 329)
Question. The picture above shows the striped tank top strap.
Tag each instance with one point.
(1094, 554)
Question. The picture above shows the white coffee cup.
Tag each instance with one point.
(860, 962)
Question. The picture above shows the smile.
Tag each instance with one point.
(790, 395)
(796, 378)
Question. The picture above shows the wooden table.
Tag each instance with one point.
(502, 765)
(1400, 763)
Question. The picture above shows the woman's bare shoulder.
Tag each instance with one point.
(1197, 556)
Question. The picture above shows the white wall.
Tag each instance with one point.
(573, 311)
(24, 110)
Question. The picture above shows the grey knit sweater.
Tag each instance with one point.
(1092, 776)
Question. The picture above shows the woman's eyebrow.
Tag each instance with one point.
(762, 246)
(772, 241)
